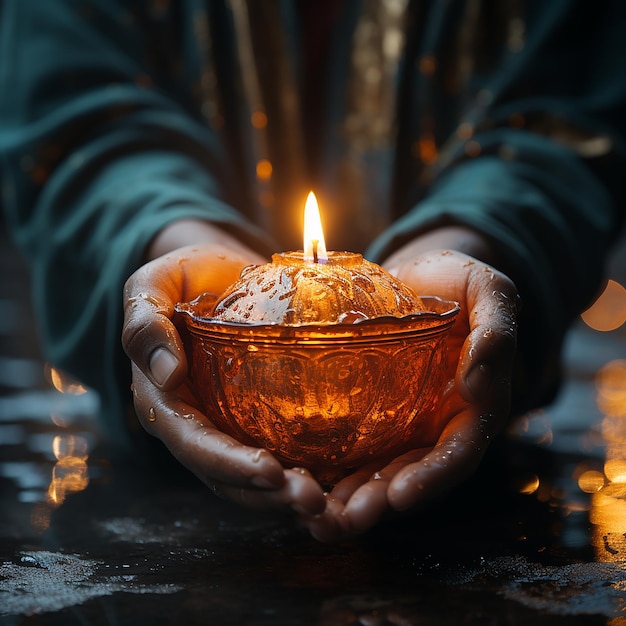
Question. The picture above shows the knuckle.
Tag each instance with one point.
(505, 336)
(135, 333)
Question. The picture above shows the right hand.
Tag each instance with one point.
(163, 398)
(474, 408)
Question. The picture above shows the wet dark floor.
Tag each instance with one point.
(537, 537)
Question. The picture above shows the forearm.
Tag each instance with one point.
(113, 164)
(546, 223)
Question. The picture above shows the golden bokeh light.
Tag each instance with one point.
(615, 470)
(264, 169)
(608, 517)
(591, 481)
(425, 149)
(259, 120)
(608, 489)
(530, 485)
(611, 389)
(62, 382)
(609, 511)
(69, 474)
(608, 312)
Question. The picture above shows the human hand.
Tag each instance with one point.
(474, 407)
(164, 402)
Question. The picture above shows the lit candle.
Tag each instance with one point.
(314, 286)
(314, 245)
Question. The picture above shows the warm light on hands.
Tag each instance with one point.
(475, 407)
(163, 399)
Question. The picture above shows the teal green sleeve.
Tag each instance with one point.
(536, 164)
(96, 160)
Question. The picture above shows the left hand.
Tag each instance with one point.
(475, 406)
(163, 396)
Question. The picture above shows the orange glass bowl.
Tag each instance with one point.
(327, 395)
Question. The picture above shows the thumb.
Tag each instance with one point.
(488, 352)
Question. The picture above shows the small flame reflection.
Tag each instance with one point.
(608, 488)
(63, 382)
(70, 472)
(591, 481)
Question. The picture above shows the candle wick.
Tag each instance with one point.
(315, 242)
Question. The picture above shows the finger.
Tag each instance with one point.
(367, 505)
(213, 456)
(486, 362)
(151, 340)
(300, 493)
(454, 459)
(489, 303)
(331, 525)
(149, 337)
(346, 487)
(391, 469)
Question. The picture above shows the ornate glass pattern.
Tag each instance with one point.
(326, 396)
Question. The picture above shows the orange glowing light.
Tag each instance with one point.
(264, 169)
(530, 485)
(608, 518)
(70, 473)
(591, 481)
(425, 149)
(62, 382)
(314, 244)
(326, 364)
(608, 312)
(609, 511)
(615, 470)
(611, 387)
(259, 120)
(64, 446)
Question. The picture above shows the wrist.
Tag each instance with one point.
(188, 232)
(458, 238)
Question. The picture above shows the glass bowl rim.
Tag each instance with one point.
(422, 323)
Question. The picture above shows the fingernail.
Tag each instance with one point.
(393, 271)
(162, 365)
(478, 380)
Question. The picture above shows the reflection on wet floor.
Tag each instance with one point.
(537, 537)
(608, 487)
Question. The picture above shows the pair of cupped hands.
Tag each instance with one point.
(189, 258)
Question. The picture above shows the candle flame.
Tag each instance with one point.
(314, 244)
